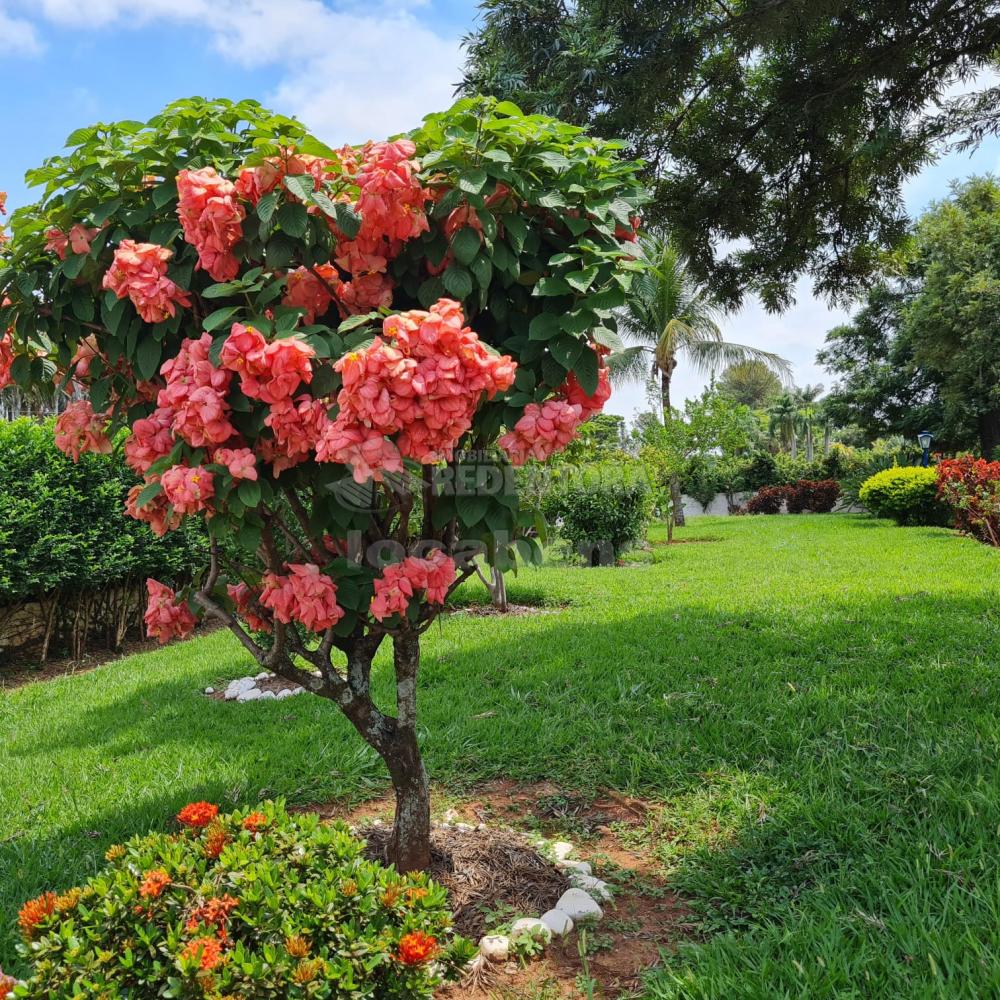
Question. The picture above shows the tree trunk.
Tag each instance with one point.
(989, 433)
(809, 443)
(498, 589)
(826, 440)
(795, 445)
(410, 847)
(666, 373)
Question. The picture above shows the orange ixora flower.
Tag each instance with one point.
(416, 948)
(255, 822)
(34, 912)
(297, 946)
(198, 814)
(154, 883)
(207, 950)
(114, 852)
(67, 901)
(7, 983)
(215, 840)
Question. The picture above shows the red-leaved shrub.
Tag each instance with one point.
(767, 500)
(971, 488)
(816, 495)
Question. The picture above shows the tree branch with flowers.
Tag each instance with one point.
(333, 356)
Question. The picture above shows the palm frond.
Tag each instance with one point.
(708, 355)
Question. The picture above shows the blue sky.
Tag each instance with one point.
(349, 70)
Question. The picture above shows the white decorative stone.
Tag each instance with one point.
(561, 850)
(495, 947)
(262, 676)
(268, 696)
(597, 888)
(298, 690)
(531, 927)
(209, 690)
(579, 906)
(464, 827)
(285, 693)
(254, 694)
(576, 867)
(558, 923)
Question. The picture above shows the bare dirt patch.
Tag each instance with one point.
(645, 919)
(513, 610)
(23, 671)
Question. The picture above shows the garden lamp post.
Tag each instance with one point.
(925, 438)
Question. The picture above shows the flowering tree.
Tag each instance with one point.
(331, 355)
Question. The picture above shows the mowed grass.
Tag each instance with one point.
(811, 703)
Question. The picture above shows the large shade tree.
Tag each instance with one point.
(779, 132)
(283, 328)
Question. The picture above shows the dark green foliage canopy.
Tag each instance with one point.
(779, 131)
(926, 351)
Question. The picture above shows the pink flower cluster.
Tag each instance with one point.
(151, 439)
(544, 429)
(166, 617)
(369, 453)
(156, 513)
(139, 270)
(426, 388)
(297, 426)
(212, 218)
(392, 206)
(304, 595)
(255, 182)
(547, 428)
(78, 240)
(6, 359)
(401, 581)
(268, 371)
(247, 607)
(195, 395)
(310, 290)
(79, 429)
(188, 489)
(239, 462)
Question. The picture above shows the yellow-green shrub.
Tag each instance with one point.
(907, 494)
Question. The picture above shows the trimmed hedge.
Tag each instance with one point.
(64, 527)
(907, 494)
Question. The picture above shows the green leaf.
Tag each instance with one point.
(219, 318)
(103, 212)
(471, 508)
(293, 219)
(149, 492)
(581, 280)
(147, 356)
(608, 338)
(552, 285)
(280, 251)
(544, 326)
(472, 181)
(249, 493)
(164, 193)
(73, 264)
(458, 281)
(221, 290)
(567, 350)
(348, 221)
(300, 185)
(266, 207)
(466, 244)
(355, 321)
(586, 371)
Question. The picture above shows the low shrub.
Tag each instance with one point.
(601, 510)
(767, 500)
(250, 905)
(818, 496)
(971, 489)
(907, 494)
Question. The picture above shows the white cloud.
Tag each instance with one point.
(19, 36)
(351, 73)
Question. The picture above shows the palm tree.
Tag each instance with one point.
(809, 411)
(669, 315)
(752, 383)
(785, 422)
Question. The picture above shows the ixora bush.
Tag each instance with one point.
(283, 326)
(66, 543)
(818, 496)
(907, 494)
(971, 489)
(247, 904)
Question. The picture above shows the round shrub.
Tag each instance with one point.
(250, 905)
(767, 500)
(907, 494)
(601, 515)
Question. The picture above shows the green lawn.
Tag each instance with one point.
(812, 702)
